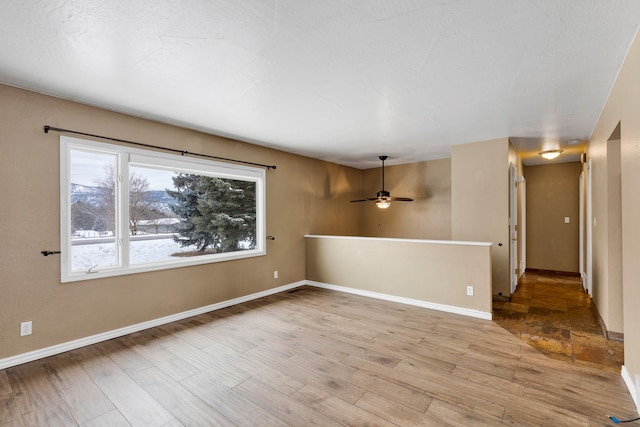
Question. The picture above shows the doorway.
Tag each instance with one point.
(553, 212)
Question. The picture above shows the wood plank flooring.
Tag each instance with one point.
(312, 357)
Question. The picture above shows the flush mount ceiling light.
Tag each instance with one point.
(550, 154)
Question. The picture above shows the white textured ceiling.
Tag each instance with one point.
(337, 80)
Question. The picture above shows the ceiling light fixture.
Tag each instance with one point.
(383, 203)
(550, 154)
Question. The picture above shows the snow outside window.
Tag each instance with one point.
(126, 210)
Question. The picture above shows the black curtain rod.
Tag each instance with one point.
(48, 128)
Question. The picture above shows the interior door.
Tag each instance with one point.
(513, 227)
(583, 273)
(590, 223)
(522, 226)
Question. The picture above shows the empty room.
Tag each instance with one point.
(301, 213)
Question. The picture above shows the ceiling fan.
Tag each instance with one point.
(383, 199)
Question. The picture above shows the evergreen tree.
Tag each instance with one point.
(228, 210)
(187, 196)
(214, 212)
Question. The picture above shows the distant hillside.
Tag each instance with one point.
(90, 195)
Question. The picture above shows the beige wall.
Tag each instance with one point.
(303, 196)
(427, 217)
(480, 201)
(623, 106)
(552, 194)
(430, 271)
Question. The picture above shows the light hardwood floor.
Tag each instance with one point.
(312, 357)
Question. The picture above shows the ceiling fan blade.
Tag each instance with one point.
(369, 199)
(402, 199)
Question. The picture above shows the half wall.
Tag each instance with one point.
(429, 273)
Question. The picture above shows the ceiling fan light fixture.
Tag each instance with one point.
(550, 154)
(383, 204)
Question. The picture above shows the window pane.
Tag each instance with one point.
(151, 218)
(176, 215)
(93, 210)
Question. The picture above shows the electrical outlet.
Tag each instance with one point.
(25, 328)
(275, 274)
(470, 291)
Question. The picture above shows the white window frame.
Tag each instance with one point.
(157, 160)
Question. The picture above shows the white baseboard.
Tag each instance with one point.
(93, 339)
(402, 300)
(632, 386)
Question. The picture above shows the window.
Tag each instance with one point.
(126, 210)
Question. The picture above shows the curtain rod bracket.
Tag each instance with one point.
(47, 253)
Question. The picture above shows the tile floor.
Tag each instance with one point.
(552, 313)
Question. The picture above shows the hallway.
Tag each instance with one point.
(553, 314)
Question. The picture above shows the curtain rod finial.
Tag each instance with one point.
(46, 128)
